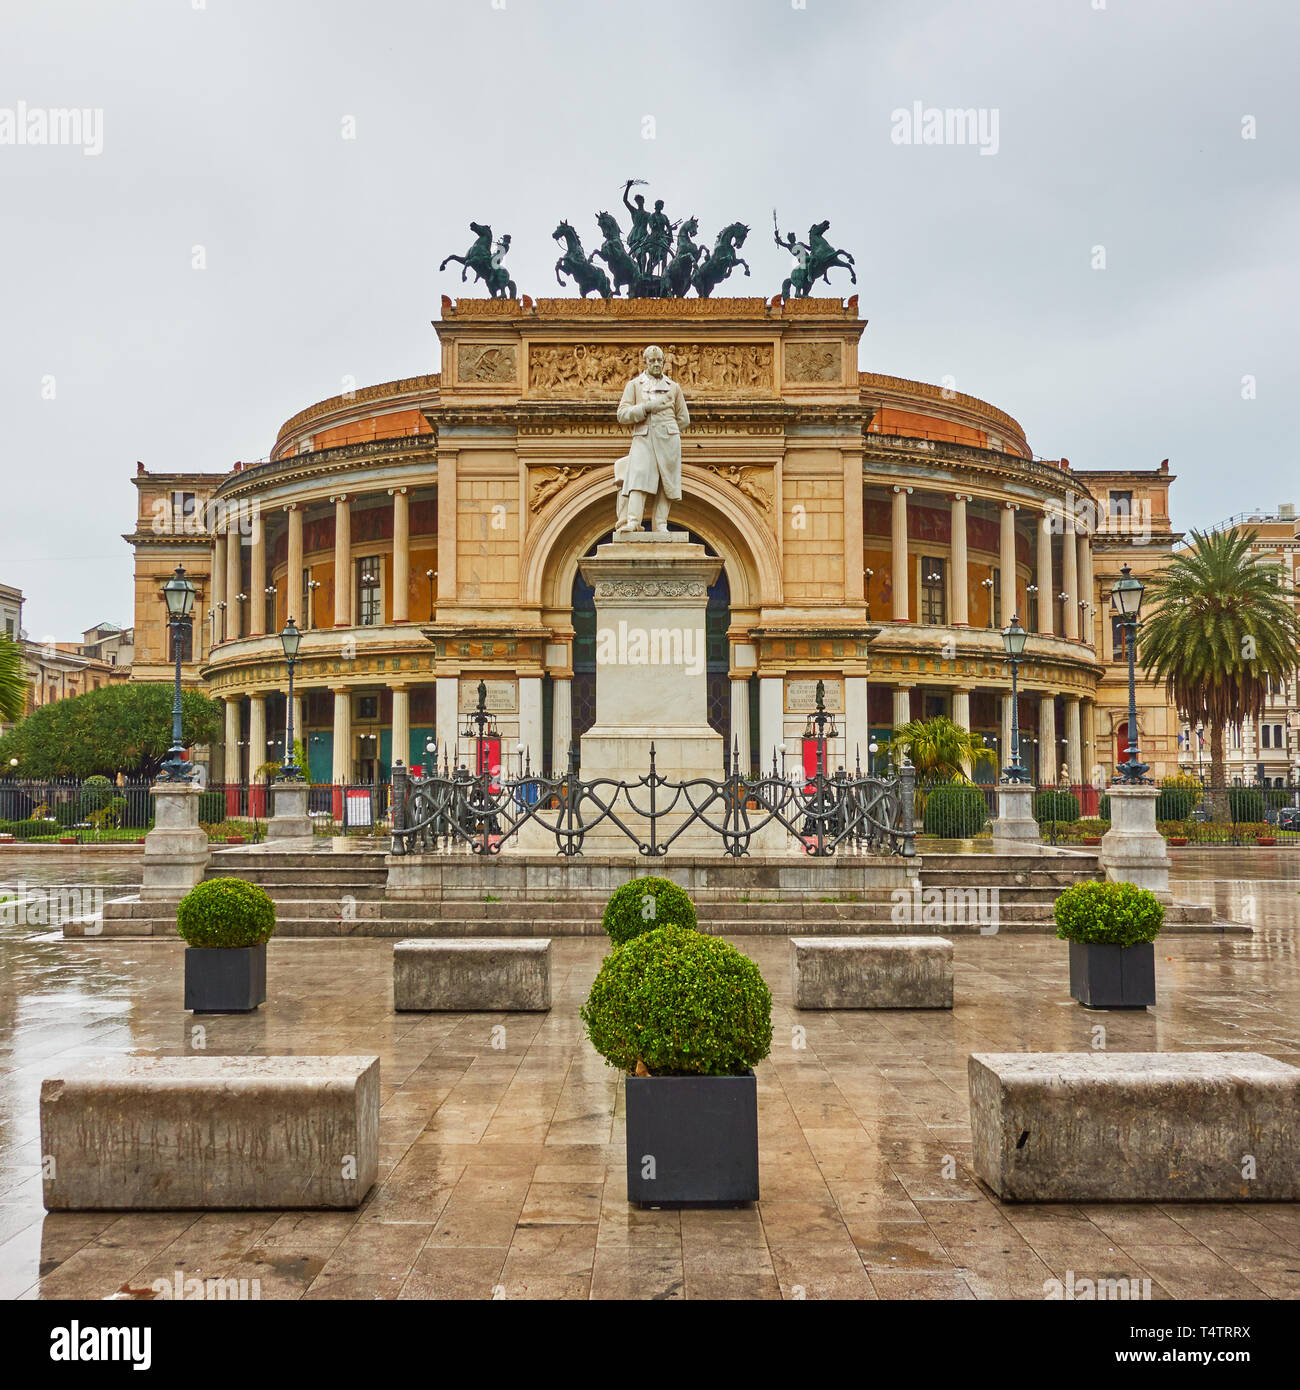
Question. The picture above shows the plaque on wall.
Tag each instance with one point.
(501, 698)
(801, 697)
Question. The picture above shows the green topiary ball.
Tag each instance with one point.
(1108, 914)
(683, 1003)
(955, 810)
(646, 903)
(225, 912)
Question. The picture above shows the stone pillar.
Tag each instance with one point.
(740, 725)
(1133, 850)
(234, 564)
(217, 589)
(771, 721)
(857, 732)
(1073, 741)
(561, 723)
(961, 717)
(1015, 828)
(342, 562)
(1046, 586)
(1088, 627)
(401, 607)
(960, 578)
(1007, 563)
(401, 726)
(1070, 582)
(257, 580)
(293, 580)
(1089, 720)
(231, 768)
(176, 850)
(530, 720)
(289, 818)
(342, 769)
(898, 561)
(446, 717)
(1049, 751)
(902, 705)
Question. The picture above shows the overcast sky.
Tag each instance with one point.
(224, 124)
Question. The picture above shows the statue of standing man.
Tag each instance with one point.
(654, 406)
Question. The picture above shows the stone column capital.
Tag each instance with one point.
(898, 487)
(392, 491)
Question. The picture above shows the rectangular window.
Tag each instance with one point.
(183, 507)
(367, 707)
(934, 591)
(1119, 639)
(368, 587)
(1267, 732)
(1279, 741)
(1121, 504)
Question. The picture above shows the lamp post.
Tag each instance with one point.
(289, 640)
(987, 584)
(431, 575)
(867, 576)
(178, 594)
(1013, 640)
(312, 586)
(221, 608)
(1126, 599)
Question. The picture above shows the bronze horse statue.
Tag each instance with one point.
(715, 266)
(485, 263)
(574, 262)
(685, 258)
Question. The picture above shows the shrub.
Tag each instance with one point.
(955, 811)
(1175, 803)
(67, 813)
(682, 1003)
(96, 793)
(646, 903)
(1108, 914)
(1246, 803)
(212, 808)
(225, 912)
(1056, 805)
(1103, 810)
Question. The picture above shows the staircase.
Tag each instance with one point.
(328, 895)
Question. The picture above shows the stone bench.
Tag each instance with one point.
(241, 1133)
(871, 972)
(1136, 1126)
(489, 974)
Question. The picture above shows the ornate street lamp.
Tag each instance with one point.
(818, 727)
(178, 594)
(289, 640)
(312, 586)
(1013, 640)
(1126, 599)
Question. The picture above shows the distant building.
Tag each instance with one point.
(11, 612)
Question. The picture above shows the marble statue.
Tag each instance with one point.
(654, 406)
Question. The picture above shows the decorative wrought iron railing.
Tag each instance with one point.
(824, 811)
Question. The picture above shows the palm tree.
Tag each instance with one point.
(1222, 629)
(13, 682)
(939, 749)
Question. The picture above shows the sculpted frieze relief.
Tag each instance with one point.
(579, 370)
(486, 364)
(651, 588)
(814, 362)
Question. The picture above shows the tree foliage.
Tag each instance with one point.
(1221, 628)
(119, 728)
(938, 749)
(13, 682)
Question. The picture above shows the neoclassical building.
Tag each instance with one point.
(426, 534)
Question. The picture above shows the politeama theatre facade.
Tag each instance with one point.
(874, 534)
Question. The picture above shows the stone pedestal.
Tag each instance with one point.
(651, 684)
(1133, 850)
(1015, 827)
(176, 850)
(289, 818)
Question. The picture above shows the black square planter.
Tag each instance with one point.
(225, 979)
(1113, 977)
(692, 1140)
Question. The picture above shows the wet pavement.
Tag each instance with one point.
(502, 1168)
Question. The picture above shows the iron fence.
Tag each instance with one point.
(486, 811)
